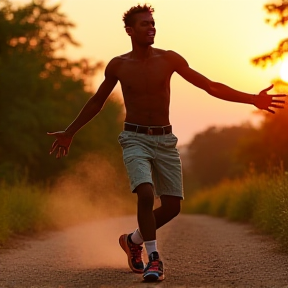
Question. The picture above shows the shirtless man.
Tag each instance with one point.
(149, 146)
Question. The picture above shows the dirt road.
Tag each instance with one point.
(198, 251)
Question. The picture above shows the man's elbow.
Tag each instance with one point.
(212, 88)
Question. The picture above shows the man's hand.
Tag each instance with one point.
(62, 143)
(266, 102)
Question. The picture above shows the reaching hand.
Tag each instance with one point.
(62, 143)
(266, 102)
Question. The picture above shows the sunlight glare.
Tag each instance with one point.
(284, 70)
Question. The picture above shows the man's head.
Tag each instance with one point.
(140, 25)
(129, 16)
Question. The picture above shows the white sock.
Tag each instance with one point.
(150, 246)
(136, 237)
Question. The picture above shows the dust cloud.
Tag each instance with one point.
(92, 206)
(95, 244)
(92, 190)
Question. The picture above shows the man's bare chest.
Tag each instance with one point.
(139, 73)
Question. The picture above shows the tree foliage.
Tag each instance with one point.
(41, 91)
(278, 17)
(266, 148)
(233, 152)
(212, 155)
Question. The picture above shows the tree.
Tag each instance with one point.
(212, 155)
(267, 147)
(278, 17)
(40, 92)
(280, 12)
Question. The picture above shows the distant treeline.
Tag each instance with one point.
(233, 152)
(41, 92)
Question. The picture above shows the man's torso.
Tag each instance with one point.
(146, 87)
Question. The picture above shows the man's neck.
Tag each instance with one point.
(141, 53)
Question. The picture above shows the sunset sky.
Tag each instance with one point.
(217, 37)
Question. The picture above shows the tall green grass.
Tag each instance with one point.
(22, 209)
(259, 199)
(26, 208)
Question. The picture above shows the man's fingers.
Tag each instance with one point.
(65, 152)
(280, 95)
(54, 146)
(267, 89)
(58, 153)
(55, 143)
(276, 106)
(62, 151)
(271, 111)
(278, 101)
(60, 145)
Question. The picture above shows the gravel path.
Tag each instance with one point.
(197, 251)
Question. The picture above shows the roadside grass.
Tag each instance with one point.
(26, 209)
(259, 199)
(21, 209)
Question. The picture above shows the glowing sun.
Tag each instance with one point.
(284, 70)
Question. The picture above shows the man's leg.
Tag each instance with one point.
(170, 208)
(145, 215)
(149, 221)
(147, 225)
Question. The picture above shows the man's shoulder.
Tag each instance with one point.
(122, 57)
(115, 62)
(162, 52)
(169, 55)
(172, 53)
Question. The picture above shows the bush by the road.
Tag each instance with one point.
(259, 199)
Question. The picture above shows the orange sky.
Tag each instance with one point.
(217, 37)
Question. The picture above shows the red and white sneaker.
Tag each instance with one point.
(134, 254)
(154, 269)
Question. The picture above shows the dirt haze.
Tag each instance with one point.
(197, 251)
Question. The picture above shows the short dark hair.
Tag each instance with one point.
(128, 16)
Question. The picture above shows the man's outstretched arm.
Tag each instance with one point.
(262, 100)
(93, 106)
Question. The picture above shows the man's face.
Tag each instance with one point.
(143, 31)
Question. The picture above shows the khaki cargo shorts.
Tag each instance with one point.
(153, 159)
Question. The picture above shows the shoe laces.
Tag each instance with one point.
(153, 265)
(136, 252)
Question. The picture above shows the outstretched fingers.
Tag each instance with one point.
(276, 106)
(62, 151)
(278, 101)
(54, 146)
(269, 110)
(267, 89)
(275, 102)
(279, 95)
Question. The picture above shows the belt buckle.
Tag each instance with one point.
(150, 131)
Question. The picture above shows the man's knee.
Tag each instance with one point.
(175, 208)
(145, 195)
(171, 204)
